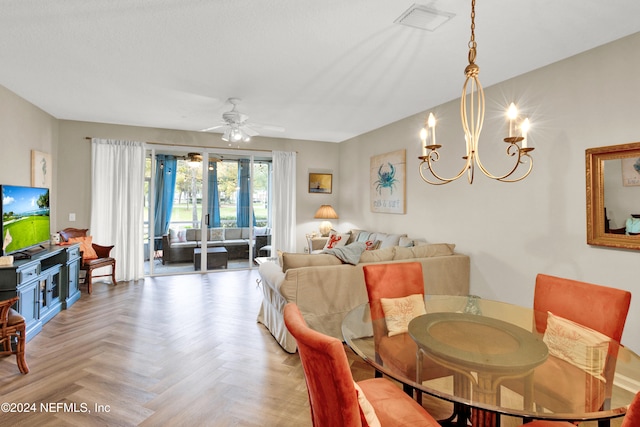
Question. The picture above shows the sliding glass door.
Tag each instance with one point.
(207, 210)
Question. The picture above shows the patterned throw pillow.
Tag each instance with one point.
(582, 347)
(336, 240)
(216, 234)
(372, 245)
(398, 312)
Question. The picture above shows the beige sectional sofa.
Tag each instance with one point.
(325, 289)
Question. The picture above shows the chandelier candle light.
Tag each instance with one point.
(472, 115)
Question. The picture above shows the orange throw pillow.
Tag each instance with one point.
(85, 246)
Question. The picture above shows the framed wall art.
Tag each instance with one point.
(631, 171)
(41, 169)
(320, 183)
(387, 176)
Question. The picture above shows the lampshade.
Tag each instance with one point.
(325, 212)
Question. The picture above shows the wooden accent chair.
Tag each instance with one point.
(101, 259)
(12, 325)
(398, 352)
(333, 396)
(104, 260)
(631, 418)
(600, 308)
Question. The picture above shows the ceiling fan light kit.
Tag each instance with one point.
(235, 125)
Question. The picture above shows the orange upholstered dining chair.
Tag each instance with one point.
(335, 399)
(599, 308)
(398, 352)
(13, 326)
(631, 418)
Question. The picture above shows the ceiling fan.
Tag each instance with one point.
(235, 125)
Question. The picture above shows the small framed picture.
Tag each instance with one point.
(41, 169)
(320, 183)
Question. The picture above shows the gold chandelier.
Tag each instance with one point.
(472, 114)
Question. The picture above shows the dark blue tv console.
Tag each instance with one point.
(46, 284)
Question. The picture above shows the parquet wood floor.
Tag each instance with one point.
(164, 351)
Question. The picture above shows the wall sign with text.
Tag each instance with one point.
(387, 175)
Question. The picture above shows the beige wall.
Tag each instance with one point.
(511, 231)
(24, 127)
(75, 155)
(514, 231)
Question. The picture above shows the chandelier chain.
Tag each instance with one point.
(472, 41)
(473, 23)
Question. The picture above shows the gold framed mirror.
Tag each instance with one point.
(613, 196)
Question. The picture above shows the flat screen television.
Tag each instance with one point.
(25, 218)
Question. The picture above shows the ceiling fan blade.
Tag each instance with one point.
(249, 131)
(272, 128)
(212, 128)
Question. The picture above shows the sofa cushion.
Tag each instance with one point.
(293, 260)
(419, 241)
(177, 235)
(261, 231)
(406, 242)
(353, 235)
(372, 245)
(336, 240)
(377, 255)
(388, 240)
(216, 234)
(400, 252)
(234, 242)
(433, 249)
(362, 235)
(191, 244)
(193, 235)
(232, 233)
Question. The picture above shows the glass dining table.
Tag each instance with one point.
(498, 362)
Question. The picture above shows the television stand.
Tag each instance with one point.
(21, 255)
(28, 253)
(46, 284)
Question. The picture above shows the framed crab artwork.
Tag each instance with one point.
(387, 176)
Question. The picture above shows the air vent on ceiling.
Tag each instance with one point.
(423, 17)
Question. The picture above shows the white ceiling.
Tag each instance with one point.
(324, 70)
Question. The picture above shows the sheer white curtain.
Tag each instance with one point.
(284, 202)
(117, 203)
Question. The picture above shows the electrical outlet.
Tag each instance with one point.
(72, 217)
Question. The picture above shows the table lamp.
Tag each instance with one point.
(325, 212)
